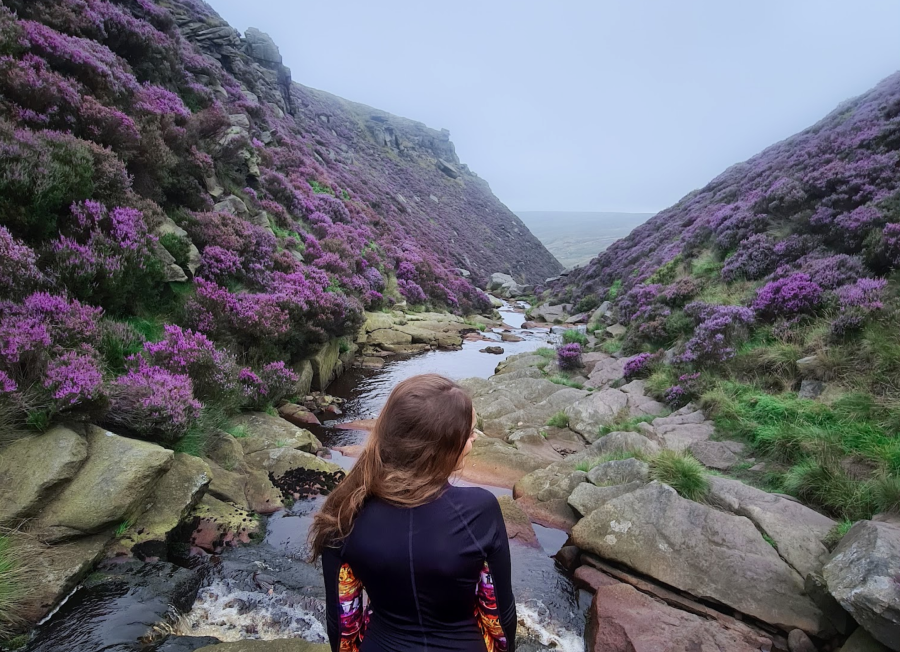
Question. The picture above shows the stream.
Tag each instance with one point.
(269, 591)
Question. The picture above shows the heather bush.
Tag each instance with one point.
(637, 302)
(754, 259)
(829, 272)
(271, 386)
(680, 292)
(719, 329)
(787, 297)
(19, 274)
(568, 356)
(686, 390)
(856, 301)
(153, 403)
(640, 366)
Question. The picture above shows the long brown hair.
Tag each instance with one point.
(413, 450)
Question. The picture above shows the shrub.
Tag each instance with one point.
(685, 391)
(682, 472)
(719, 329)
(19, 274)
(153, 403)
(637, 302)
(788, 297)
(568, 356)
(680, 292)
(640, 366)
(559, 420)
(574, 336)
(754, 258)
(587, 303)
(274, 383)
(613, 292)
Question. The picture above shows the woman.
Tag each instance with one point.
(433, 558)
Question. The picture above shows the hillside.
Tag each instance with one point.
(576, 238)
(164, 178)
(772, 296)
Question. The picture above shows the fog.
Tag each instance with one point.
(590, 105)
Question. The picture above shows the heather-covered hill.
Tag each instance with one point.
(181, 224)
(772, 296)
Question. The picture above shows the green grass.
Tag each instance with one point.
(682, 472)
(238, 432)
(612, 346)
(546, 352)
(12, 576)
(123, 528)
(834, 536)
(573, 336)
(319, 188)
(559, 420)
(629, 424)
(706, 266)
(614, 290)
(769, 540)
(559, 379)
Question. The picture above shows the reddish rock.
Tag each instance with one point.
(366, 425)
(554, 514)
(568, 557)
(591, 579)
(625, 620)
(518, 525)
(297, 415)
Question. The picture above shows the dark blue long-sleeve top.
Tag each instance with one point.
(421, 568)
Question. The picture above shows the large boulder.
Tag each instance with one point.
(389, 336)
(863, 574)
(378, 321)
(279, 461)
(625, 620)
(544, 494)
(265, 431)
(625, 442)
(518, 525)
(174, 496)
(589, 414)
(681, 431)
(796, 530)
(700, 550)
(619, 472)
(587, 497)
(55, 570)
(34, 468)
(605, 372)
(113, 485)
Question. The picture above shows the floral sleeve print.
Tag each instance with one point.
(487, 614)
(353, 616)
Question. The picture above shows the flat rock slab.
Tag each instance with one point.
(587, 498)
(605, 372)
(34, 468)
(863, 574)
(265, 431)
(498, 464)
(279, 461)
(625, 442)
(695, 548)
(625, 620)
(113, 484)
(797, 530)
(619, 472)
(714, 455)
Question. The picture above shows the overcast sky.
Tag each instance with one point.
(590, 105)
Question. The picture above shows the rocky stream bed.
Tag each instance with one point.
(209, 553)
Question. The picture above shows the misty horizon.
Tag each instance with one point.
(590, 106)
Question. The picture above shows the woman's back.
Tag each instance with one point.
(421, 566)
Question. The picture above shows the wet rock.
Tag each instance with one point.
(590, 579)
(112, 485)
(797, 530)
(324, 364)
(185, 643)
(625, 442)
(863, 574)
(265, 431)
(619, 472)
(587, 497)
(300, 484)
(283, 645)
(798, 641)
(55, 570)
(713, 455)
(262, 495)
(625, 620)
(495, 350)
(705, 552)
(370, 362)
(518, 525)
(216, 525)
(497, 463)
(118, 606)
(299, 415)
(174, 496)
(281, 460)
(34, 468)
(509, 337)
(568, 557)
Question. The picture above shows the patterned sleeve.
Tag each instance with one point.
(345, 613)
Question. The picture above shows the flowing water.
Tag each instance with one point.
(268, 591)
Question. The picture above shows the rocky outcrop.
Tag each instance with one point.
(700, 550)
(602, 408)
(863, 574)
(34, 468)
(263, 431)
(494, 462)
(626, 620)
(112, 486)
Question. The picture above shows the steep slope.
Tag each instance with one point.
(576, 238)
(182, 227)
(772, 297)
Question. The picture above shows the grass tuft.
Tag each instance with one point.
(559, 420)
(573, 336)
(629, 424)
(682, 472)
(834, 536)
(559, 379)
(12, 581)
(546, 352)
